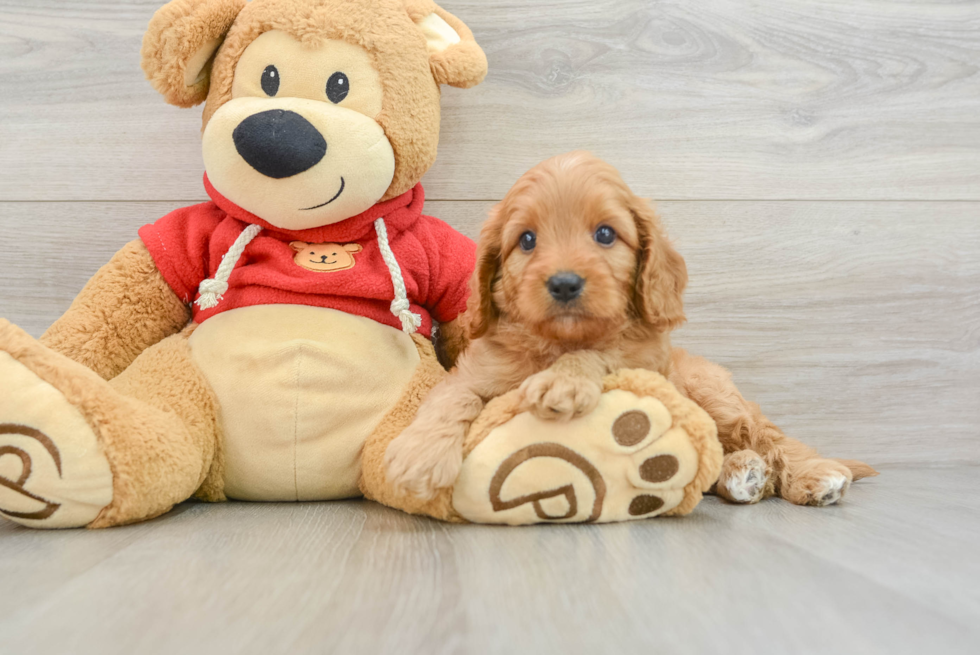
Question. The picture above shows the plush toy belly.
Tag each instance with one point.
(299, 390)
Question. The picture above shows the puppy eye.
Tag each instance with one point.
(270, 80)
(528, 241)
(604, 235)
(338, 86)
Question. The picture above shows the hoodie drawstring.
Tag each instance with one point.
(400, 306)
(212, 289)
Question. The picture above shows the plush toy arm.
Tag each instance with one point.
(125, 308)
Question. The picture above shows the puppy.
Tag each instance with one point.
(575, 279)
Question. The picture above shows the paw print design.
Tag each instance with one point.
(53, 473)
(628, 459)
(29, 506)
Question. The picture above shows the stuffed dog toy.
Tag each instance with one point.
(269, 344)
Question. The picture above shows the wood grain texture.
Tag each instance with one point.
(889, 571)
(856, 325)
(720, 99)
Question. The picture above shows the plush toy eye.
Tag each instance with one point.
(338, 86)
(528, 241)
(270, 80)
(604, 235)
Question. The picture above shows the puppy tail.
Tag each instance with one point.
(858, 469)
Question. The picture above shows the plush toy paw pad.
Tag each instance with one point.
(52, 470)
(624, 460)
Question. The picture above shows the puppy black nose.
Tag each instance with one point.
(565, 287)
(279, 143)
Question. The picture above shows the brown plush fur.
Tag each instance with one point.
(105, 329)
(462, 64)
(156, 422)
(557, 354)
(384, 28)
(177, 33)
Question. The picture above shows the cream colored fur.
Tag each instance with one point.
(299, 389)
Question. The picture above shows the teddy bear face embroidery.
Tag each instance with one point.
(325, 257)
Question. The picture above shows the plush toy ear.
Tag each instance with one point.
(180, 44)
(353, 247)
(454, 56)
(298, 245)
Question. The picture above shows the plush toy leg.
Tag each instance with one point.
(78, 451)
(644, 451)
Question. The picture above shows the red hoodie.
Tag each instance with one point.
(436, 260)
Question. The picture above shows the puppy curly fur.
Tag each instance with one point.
(556, 352)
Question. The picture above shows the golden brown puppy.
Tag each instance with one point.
(575, 279)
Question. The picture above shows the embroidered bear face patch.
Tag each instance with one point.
(325, 257)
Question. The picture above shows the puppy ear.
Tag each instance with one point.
(661, 272)
(481, 311)
(180, 44)
(454, 56)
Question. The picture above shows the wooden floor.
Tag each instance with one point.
(818, 165)
(892, 570)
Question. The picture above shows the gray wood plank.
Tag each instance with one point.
(355, 577)
(856, 325)
(942, 504)
(855, 99)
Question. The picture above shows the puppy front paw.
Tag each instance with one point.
(552, 395)
(421, 465)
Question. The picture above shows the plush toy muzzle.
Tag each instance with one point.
(279, 143)
(297, 163)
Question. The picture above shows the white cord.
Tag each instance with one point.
(212, 289)
(400, 306)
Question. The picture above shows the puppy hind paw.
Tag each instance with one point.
(744, 479)
(823, 483)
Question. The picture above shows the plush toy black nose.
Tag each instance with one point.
(565, 287)
(279, 143)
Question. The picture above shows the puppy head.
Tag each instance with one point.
(573, 255)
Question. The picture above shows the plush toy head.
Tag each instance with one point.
(316, 109)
